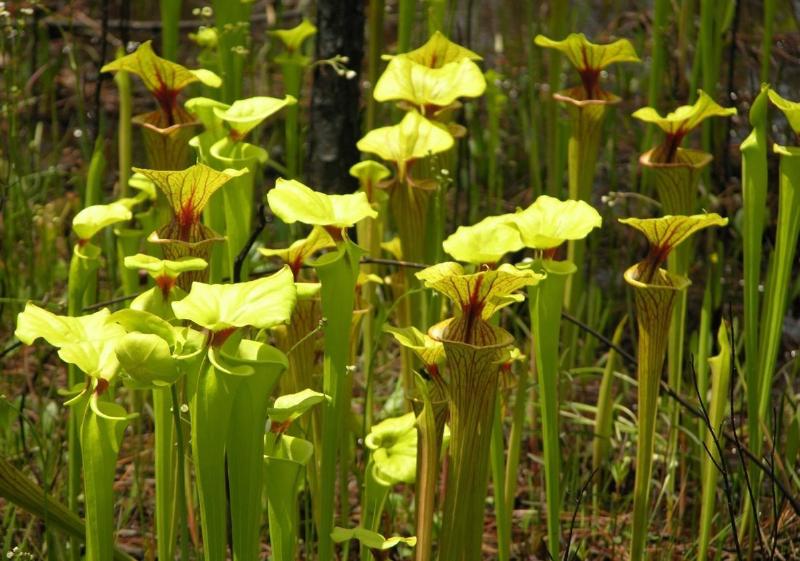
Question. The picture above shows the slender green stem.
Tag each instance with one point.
(766, 40)
(557, 27)
(658, 58)
(165, 465)
(124, 132)
(180, 481)
(233, 23)
(584, 144)
(170, 28)
(292, 69)
(407, 12)
(430, 429)
(534, 114)
(94, 177)
(704, 336)
(82, 267)
(502, 516)
(515, 441)
(754, 195)
(495, 101)
(375, 45)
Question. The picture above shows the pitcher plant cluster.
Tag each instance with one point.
(256, 361)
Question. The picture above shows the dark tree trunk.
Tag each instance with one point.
(335, 117)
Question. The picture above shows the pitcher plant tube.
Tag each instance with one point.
(285, 461)
(473, 348)
(404, 144)
(166, 130)
(291, 201)
(754, 199)
(161, 361)
(676, 172)
(370, 174)
(187, 193)
(588, 105)
(392, 445)
(293, 62)
(776, 296)
(655, 292)
(88, 342)
(544, 227)
(412, 140)
(81, 280)
(222, 146)
(229, 400)
(430, 407)
(432, 80)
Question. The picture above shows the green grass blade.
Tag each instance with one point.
(720, 379)
(605, 403)
(164, 430)
(497, 458)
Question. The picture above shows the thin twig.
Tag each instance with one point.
(240, 259)
(307, 336)
(740, 449)
(722, 465)
(110, 302)
(608, 342)
(776, 423)
(578, 501)
(393, 262)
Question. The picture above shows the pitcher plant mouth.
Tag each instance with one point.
(492, 337)
(659, 280)
(683, 158)
(156, 121)
(577, 97)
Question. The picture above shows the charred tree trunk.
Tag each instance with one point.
(335, 112)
